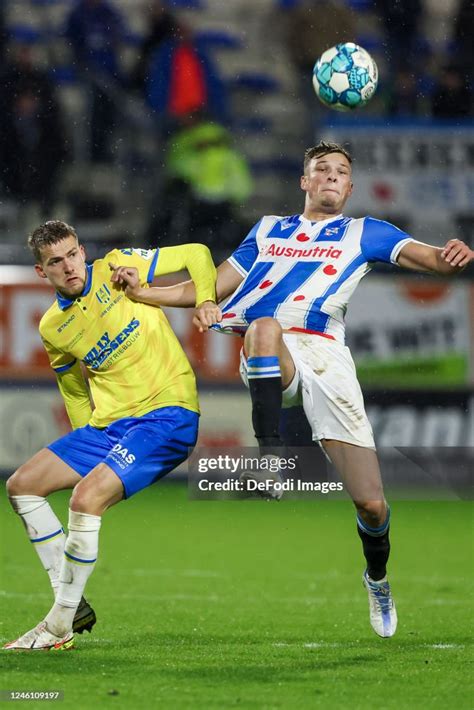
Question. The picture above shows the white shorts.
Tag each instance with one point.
(326, 385)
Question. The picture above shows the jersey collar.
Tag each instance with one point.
(64, 302)
(322, 222)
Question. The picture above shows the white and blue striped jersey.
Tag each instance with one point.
(303, 273)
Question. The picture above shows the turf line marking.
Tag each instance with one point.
(24, 595)
(321, 644)
(444, 646)
(144, 572)
(174, 597)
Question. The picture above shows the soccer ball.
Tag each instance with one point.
(345, 77)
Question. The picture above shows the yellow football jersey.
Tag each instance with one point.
(134, 361)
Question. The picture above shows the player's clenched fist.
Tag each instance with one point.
(206, 314)
(456, 253)
(126, 278)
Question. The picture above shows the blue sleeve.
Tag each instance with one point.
(382, 241)
(246, 254)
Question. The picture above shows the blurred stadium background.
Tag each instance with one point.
(87, 137)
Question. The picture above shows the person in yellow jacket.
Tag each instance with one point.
(134, 419)
(206, 179)
(202, 156)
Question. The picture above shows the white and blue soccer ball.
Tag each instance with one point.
(345, 77)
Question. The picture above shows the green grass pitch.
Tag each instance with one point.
(208, 604)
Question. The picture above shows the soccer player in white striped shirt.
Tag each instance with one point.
(288, 285)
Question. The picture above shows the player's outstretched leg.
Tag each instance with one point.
(44, 473)
(360, 472)
(27, 490)
(95, 493)
(263, 342)
(55, 632)
(376, 546)
(269, 368)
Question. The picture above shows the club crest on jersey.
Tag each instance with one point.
(103, 294)
(144, 253)
(331, 231)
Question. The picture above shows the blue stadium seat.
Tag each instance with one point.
(255, 82)
(361, 5)
(287, 4)
(185, 4)
(63, 75)
(219, 39)
(426, 84)
(423, 47)
(24, 34)
(372, 43)
(132, 39)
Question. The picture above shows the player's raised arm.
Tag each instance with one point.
(196, 258)
(181, 295)
(448, 260)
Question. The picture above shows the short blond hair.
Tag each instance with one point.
(49, 233)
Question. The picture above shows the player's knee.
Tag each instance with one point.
(22, 482)
(83, 499)
(374, 512)
(262, 334)
(89, 497)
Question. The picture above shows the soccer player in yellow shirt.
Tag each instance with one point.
(141, 425)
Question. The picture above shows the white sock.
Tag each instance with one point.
(80, 555)
(45, 532)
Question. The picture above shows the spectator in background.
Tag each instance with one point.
(401, 20)
(182, 81)
(206, 179)
(95, 30)
(403, 100)
(163, 25)
(311, 28)
(21, 73)
(33, 146)
(452, 98)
